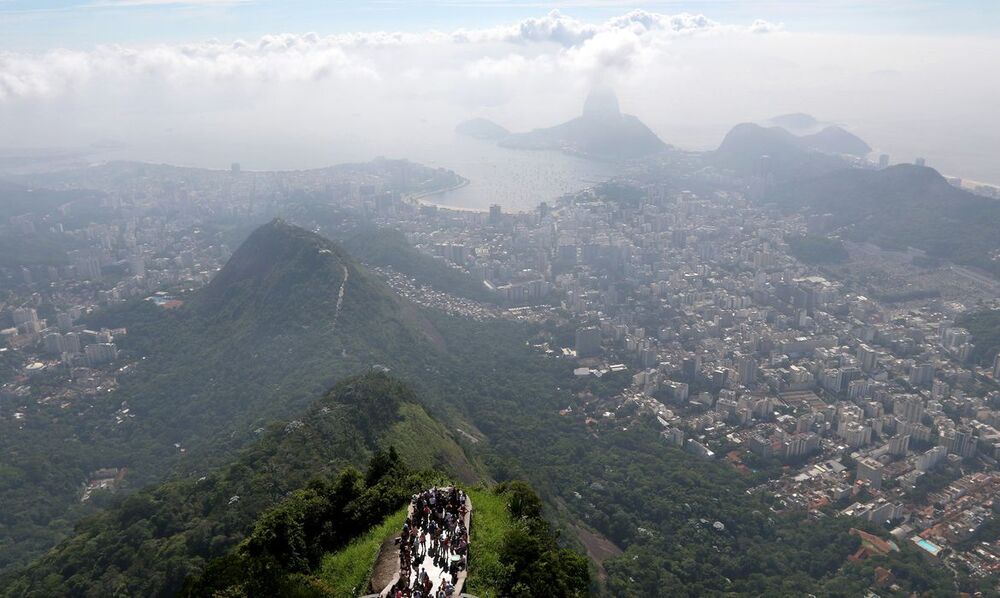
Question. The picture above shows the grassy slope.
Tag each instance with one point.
(490, 521)
(347, 571)
(424, 443)
(184, 522)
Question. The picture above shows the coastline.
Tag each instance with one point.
(420, 198)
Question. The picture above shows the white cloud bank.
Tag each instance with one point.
(292, 100)
(562, 41)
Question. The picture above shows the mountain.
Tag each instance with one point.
(386, 247)
(151, 541)
(482, 128)
(601, 132)
(289, 315)
(788, 157)
(900, 206)
(18, 200)
(39, 209)
(835, 140)
(820, 136)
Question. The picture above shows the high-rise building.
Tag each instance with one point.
(54, 343)
(760, 445)
(909, 407)
(954, 337)
(922, 374)
(996, 367)
(960, 442)
(868, 357)
(833, 380)
(495, 213)
(137, 265)
(691, 367)
(854, 434)
(588, 341)
(920, 162)
(25, 315)
(939, 390)
(870, 470)
(71, 342)
(100, 353)
(87, 268)
(674, 436)
(746, 366)
(931, 458)
(720, 377)
(883, 161)
(804, 422)
(899, 444)
(800, 444)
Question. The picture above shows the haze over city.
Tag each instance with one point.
(483, 299)
(213, 84)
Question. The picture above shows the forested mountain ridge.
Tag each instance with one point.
(900, 206)
(260, 343)
(151, 541)
(288, 315)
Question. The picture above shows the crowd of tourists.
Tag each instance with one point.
(433, 545)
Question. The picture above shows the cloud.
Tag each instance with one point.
(542, 44)
(762, 26)
(298, 99)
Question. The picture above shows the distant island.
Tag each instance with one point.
(601, 132)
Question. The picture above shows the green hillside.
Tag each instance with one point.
(324, 541)
(985, 329)
(902, 206)
(389, 247)
(261, 342)
(152, 540)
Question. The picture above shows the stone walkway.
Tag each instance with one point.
(425, 560)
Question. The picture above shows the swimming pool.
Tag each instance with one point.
(927, 545)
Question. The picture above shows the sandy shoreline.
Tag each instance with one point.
(420, 198)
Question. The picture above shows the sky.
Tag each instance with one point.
(303, 83)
